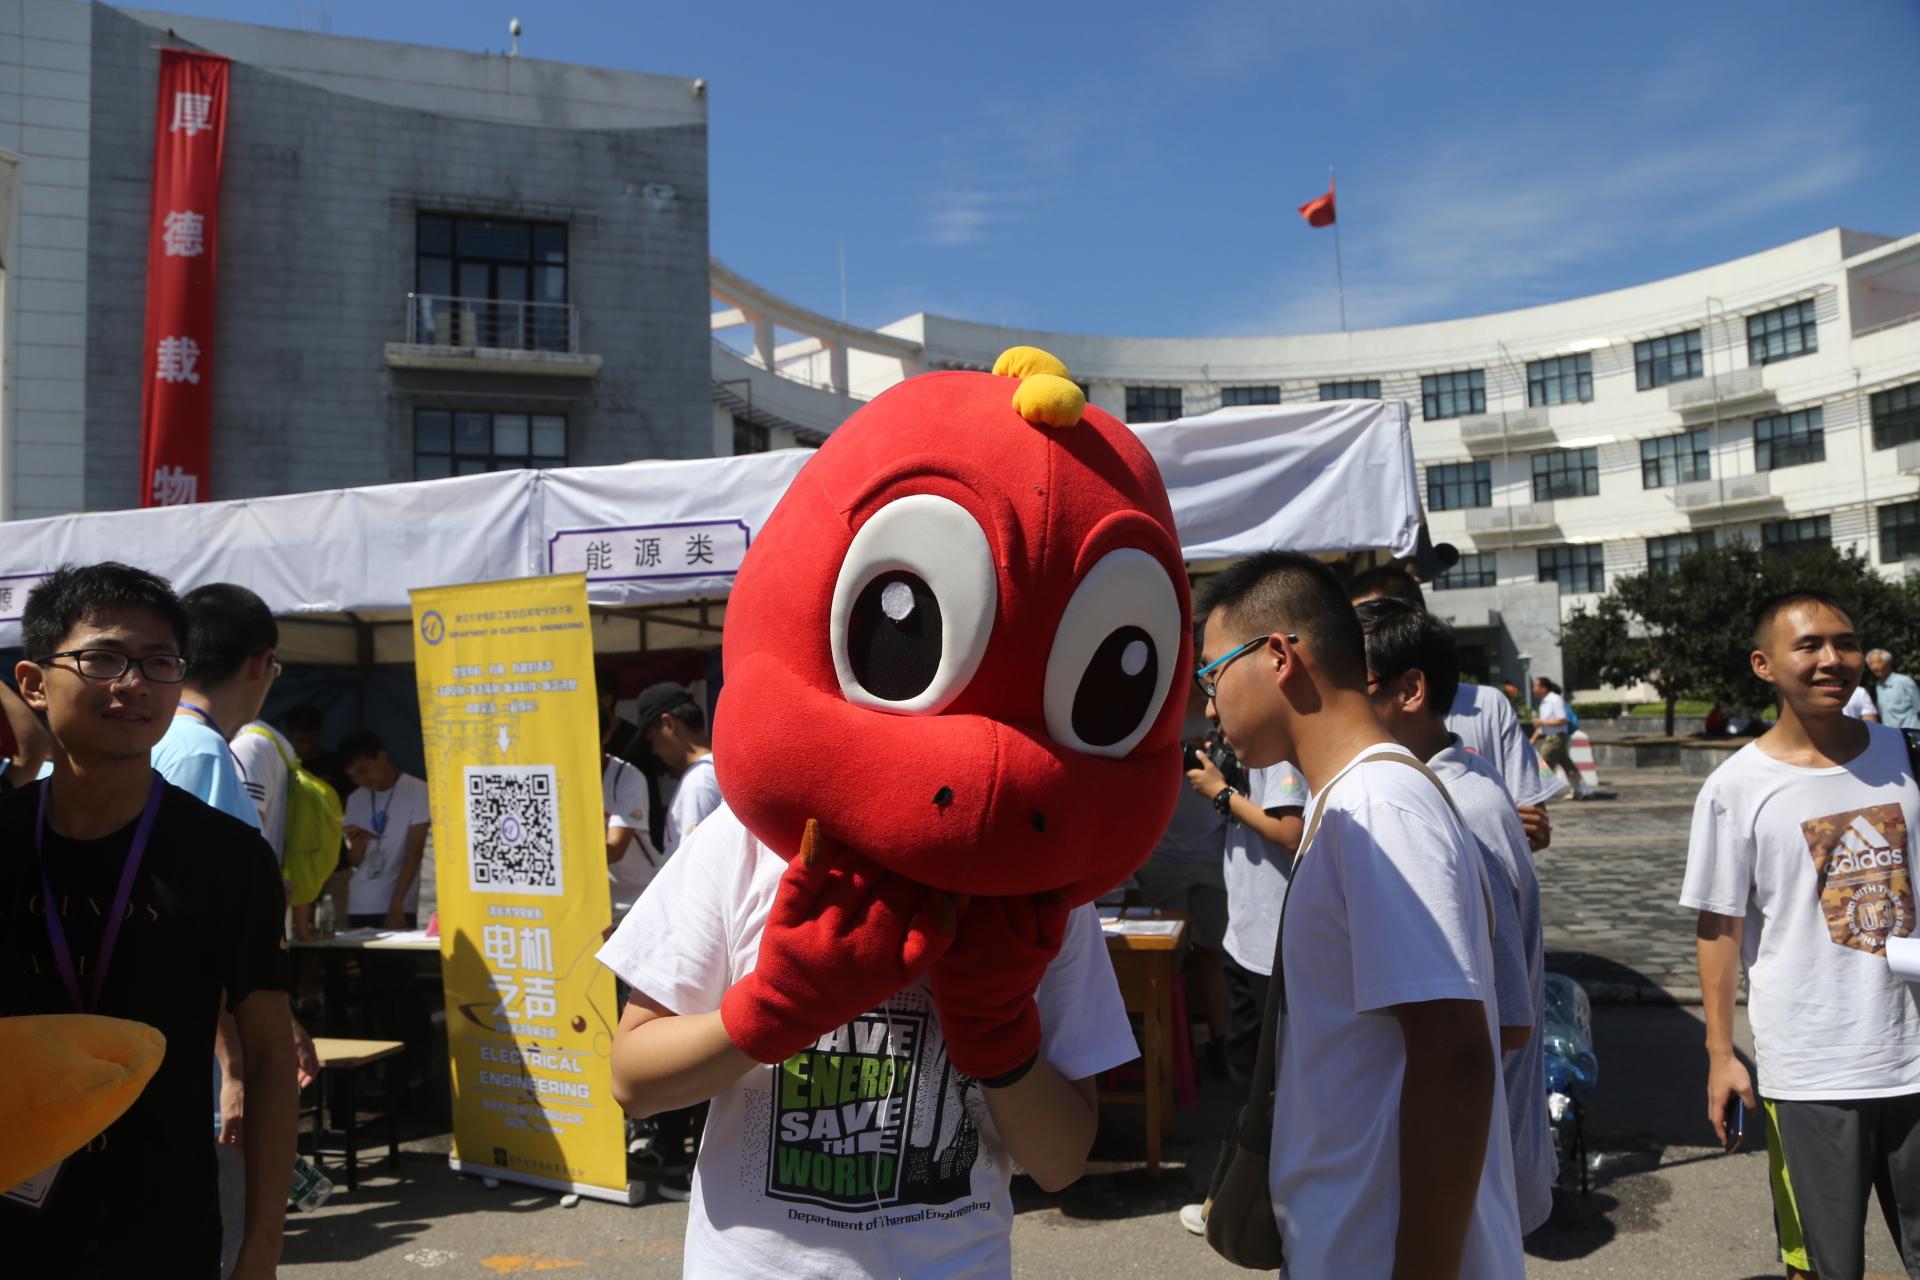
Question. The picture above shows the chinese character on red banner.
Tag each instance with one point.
(176, 400)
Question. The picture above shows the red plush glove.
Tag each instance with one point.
(843, 935)
(983, 986)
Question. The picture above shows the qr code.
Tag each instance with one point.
(513, 837)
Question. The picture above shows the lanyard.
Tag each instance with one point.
(206, 718)
(56, 931)
(379, 818)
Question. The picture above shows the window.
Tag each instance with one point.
(490, 282)
(1231, 397)
(458, 443)
(1789, 440)
(1900, 532)
(749, 437)
(1153, 404)
(1578, 569)
(1566, 473)
(1674, 358)
(1896, 416)
(1782, 333)
(1797, 535)
(1458, 485)
(1362, 389)
(1560, 380)
(1675, 460)
(1663, 554)
(1469, 571)
(1453, 395)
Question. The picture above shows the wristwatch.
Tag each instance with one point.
(1223, 801)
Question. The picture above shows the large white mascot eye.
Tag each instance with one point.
(1113, 655)
(914, 606)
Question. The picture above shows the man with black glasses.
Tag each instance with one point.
(125, 896)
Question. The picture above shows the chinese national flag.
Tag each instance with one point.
(1319, 211)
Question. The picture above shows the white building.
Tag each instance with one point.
(1774, 398)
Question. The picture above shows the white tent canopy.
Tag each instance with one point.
(659, 539)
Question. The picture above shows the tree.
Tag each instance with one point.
(1688, 631)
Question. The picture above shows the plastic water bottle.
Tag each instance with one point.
(310, 1187)
(323, 916)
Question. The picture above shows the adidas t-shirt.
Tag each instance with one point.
(864, 1154)
(1820, 862)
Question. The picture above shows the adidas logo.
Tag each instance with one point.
(1866, 849)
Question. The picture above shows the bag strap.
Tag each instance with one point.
(278, 750)
(1260, 1087)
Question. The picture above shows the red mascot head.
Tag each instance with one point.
(954, 642)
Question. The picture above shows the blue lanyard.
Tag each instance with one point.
(379, 818)
(57, 932)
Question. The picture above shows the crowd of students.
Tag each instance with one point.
(1359, 829)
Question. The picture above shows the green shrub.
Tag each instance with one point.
(1598, 710)
(1684, 707)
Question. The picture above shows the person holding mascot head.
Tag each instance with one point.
(946, 727)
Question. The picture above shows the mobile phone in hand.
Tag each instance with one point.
(1734, 1120)
(1193, 760)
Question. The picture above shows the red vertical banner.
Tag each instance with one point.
(176, 400)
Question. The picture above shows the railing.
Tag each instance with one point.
(1493, 428)
(1705, 495)
(1907, 458)
(1730, 387)
(436, 320)
(1488, 521)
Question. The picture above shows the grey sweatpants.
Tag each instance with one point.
(1835, 1150)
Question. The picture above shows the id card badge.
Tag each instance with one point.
(34, 1192)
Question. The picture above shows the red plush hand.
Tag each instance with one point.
(983, 987)
(844, 934)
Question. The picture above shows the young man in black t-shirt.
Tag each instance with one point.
(202, 912)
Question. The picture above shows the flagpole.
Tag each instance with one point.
(1339, 272)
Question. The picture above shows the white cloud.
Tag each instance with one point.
(996, 174)
(1502, 216)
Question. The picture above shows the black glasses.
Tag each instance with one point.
(1209, 683)
(111, 664)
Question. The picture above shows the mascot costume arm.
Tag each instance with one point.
(63, 1079)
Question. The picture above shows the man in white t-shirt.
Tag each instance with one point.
(1553, 732)
(1390, 1151)
(387, 820)
(676, 732)
(263, 771)
(1861, 706)
(1412, 666)
(1480, 716)
(1800, 864)
(864, 1152)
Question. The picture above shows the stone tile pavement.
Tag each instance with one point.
(1610, 889)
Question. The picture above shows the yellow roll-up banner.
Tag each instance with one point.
(510, 722)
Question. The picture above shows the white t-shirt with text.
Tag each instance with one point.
(1820, 864)
(1484, 721)
(1389, 907)
(862, 1154)
(697, 796)
(623, 798)
(389, 815)
(1519, 967)
(1256, 872)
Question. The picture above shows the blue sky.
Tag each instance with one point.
(1133, 169)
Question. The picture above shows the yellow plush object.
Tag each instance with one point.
(1046, 396)
(63, 1079)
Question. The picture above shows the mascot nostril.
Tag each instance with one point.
(1038, 821)
(943, 797)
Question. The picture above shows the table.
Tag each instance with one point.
(334, 952)
(1147, 953)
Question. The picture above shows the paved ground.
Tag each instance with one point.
(1662, 1203)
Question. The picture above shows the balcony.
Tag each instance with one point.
(1704, 497)
(492, 335)
(1738, 390)
(1907, 458)
(1487, 431)
(1491, 523)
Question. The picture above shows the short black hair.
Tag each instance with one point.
(362, 744)
(1286, 591)
(1774, 605)
(226, 625)
(1390, 581)
(304, 718)
(75, 592)
(1551, 686)
(1402, 638)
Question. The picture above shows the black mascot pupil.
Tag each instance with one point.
(893, 637)
(1116, 690)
